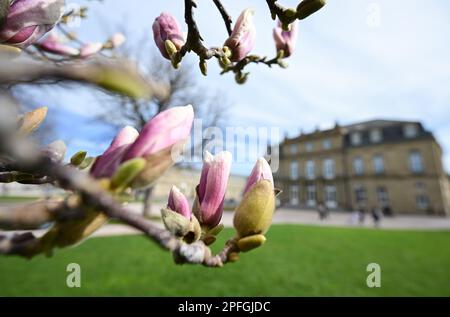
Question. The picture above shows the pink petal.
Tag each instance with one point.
(107, 163)
(163, 131)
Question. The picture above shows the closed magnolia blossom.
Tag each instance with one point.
(178, 202)
(155, 144)
(285, 40)
(242, 39)
(109, 161)
(178, 218)
(53, 44)
(166, 28)
(28, 20)
(212, 188)
(254, 214)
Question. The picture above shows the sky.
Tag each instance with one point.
(355, 60)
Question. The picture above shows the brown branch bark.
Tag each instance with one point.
(225, 16)
(194, 39)
(93, 196)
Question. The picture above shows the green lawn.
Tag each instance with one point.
(296, 261)
(17, 199)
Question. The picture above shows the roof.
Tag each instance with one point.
(378, 123)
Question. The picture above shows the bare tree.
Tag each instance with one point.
(210, 105)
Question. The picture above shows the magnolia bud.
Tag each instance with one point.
(178, 202)
(212, 188)
(308, 7)
(242, 39)
(285, 40)
(254, 213)
(28, 20)
(167, 28)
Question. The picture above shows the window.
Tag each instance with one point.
(309, 147)
(328, 169)
(378, 164)
(310, 170)
(420, 186)
(382, 196)
(415, 162)
(293, 149)
(294, 170)
(422, 202)
(358, 166)
(330, 196)
(360, 194)
(326, 144)
(311, 196)
(410, 130)
(356, 138)
(376, 136)
(293, 195)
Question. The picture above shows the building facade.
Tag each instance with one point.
(392, 165)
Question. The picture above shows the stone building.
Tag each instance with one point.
(186, 179)
(393, 165)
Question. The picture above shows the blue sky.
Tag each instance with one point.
(347, 66)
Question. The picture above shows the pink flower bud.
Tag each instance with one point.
(107, 163)
(162, 132)
(212, 188)
(285, 40)
(261, 171)
(28, 20)
(242, 39)
(90, 49)
(166, 28)
(179, 203)
(52, 44)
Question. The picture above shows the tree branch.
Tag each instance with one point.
(225, 16)
(194, 39)
(95, 198)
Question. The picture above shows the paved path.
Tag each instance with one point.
(306, 217)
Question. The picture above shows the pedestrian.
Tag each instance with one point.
(321, 209)
(362, 216)
(376, 216)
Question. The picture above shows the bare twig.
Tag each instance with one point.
(96, 198)
(194, 39)
(254, 59)
(225, 16)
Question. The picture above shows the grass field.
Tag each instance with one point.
(17, 199)
(296, 261)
